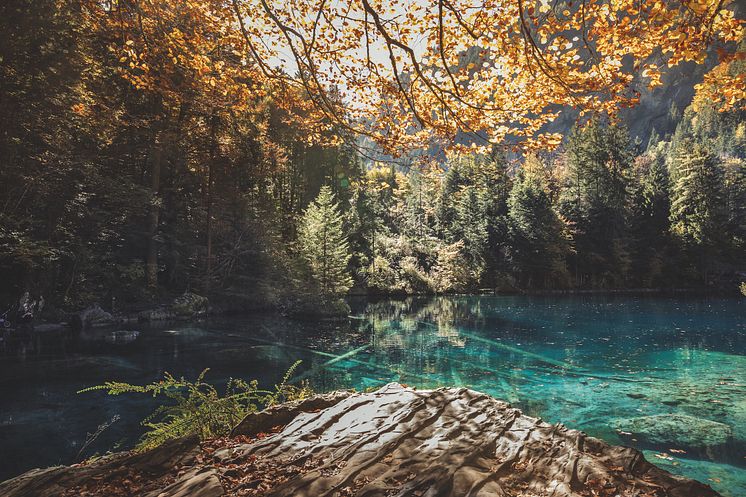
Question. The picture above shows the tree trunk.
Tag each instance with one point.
(210, 180)
(151, 265)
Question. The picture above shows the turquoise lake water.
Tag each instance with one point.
(665, 375)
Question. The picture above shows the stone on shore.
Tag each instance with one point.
(395, 441)
(189, 305)
(186, 306)
(92, 317)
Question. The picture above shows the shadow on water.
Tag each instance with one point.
(667, 375)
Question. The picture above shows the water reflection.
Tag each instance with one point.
(595, 363)
(666, 375)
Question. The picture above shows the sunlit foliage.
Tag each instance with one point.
(198, 408)
(403, 72)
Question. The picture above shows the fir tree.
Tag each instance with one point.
(324, 245)
(446, 203)
(493, 184)
(698, 213)
(649, 219)
(470, 227)
(538, 244)
(599, 159)
(735, 200)
(653, 141)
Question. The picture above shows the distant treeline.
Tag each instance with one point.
(603, 212)
(109, 194)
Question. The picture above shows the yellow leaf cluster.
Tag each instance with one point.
(406, 72)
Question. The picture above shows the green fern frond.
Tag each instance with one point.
(198, 408)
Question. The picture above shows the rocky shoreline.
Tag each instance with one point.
(394, 441)
(186, 307)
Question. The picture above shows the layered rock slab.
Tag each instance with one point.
(395, 441)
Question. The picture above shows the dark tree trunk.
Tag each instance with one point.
(151, 264)
(210, 185)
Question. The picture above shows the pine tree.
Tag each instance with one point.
(470, 227)
(485, 177)
(493, 185)
(362, 225)
(653, 141)
(735, 200)
(324, 245)
(698, 214)
(649, 219)
(538, 244)
(446, 202)
(599, 158)
(415, 217)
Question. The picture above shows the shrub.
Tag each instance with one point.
(197, 408)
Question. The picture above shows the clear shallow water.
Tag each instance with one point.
(590, 362)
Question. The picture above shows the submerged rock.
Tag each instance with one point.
(636, 395)
(678, 431)
(394, 441)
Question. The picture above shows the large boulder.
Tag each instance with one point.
(189, 305)
(157, 314)
(186, 306)
(92, 317)
(394, 441)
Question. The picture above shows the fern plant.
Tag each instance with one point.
(197, 408)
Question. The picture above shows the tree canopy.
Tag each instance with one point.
(150, 147)
(405, 72)
(324, 245)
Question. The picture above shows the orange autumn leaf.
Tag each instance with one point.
(405, 73)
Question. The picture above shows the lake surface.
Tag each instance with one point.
(596, 363)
